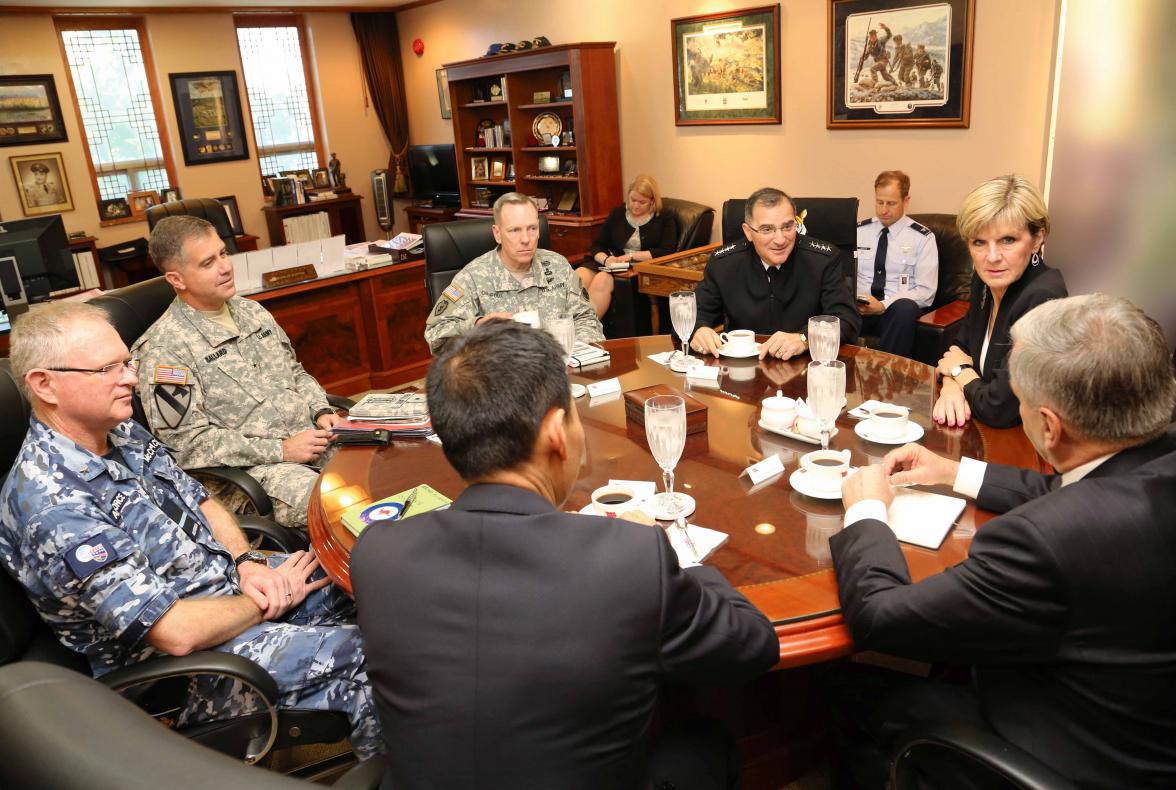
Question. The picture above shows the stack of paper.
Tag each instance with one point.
(584, 355)
(404, 414)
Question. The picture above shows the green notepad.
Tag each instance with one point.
(357, 517)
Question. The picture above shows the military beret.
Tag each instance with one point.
(37, 167)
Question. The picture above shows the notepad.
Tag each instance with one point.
(706, 541)
(357, 517)
(923, 518)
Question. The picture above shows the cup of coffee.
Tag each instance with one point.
(888, 421)
(738, 341)
(612, 501)
(778, 411)
(826, 466)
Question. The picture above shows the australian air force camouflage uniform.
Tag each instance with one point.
(224, 399)
(104, 546)
(485, 286)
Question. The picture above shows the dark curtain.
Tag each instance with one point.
(379, 46)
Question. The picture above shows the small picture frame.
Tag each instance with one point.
(541, 97)
(479, 168)
(321, 177)
(549, 164)
(41, 183)
(568, 200)
(301, 175)
(443, 93)
(169, 195)
(267, 187)
(141, 201)
(497, 169)
(114, 209)
(229, 202)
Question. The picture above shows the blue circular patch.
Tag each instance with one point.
(380, 512)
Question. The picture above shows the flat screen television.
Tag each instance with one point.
(433, 172)
(35, 259)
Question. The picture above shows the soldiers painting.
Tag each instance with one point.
(891, 58)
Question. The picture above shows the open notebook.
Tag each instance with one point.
(923, 518)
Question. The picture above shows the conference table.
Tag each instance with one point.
(777, 552)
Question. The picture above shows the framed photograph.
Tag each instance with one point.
(229, 202)
(301, 175)
(727, 67)
(899, 63)
(41, 184)
(497, 169)
(141, 201)
(29, 110)
(267, 189)
(115, 208)
(208, 110)
(443, 93)
(479, 168)
(568, 200)
(284, 189)
(169, 195)
(321, 177)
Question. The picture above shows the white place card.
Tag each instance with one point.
(644, 489)
(704, 372)
(662, 358)
(761, 471)
(333, 254)
(598, 388)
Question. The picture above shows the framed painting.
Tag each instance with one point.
(29, 110)
(141, 201)
(899, 63)
(229, 202)
(443, 93)
(41, 184)
(208, 111)
(727, 67)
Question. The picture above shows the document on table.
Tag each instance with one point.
(923, 518)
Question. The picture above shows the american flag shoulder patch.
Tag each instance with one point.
(452, 293)
(171, 374)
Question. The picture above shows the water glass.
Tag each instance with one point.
(826, 395)
(563, 328)
(824, 337)
(683, 314)
(665, 429)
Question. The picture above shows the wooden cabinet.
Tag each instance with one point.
(419, 216)
(344, 215)
(587, 181)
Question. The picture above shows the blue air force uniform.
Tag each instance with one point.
(104, 546)
(911, 272)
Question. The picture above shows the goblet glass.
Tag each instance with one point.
(683, 313)
(665, 429)
(824, 337)
(826, 394)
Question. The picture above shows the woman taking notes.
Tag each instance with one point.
(636, 231)
(1004, 223)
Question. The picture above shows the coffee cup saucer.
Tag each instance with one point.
(578, 390)
(807, 483)
(649, 506)
(803, 437)
(914, 433)
(725, 350)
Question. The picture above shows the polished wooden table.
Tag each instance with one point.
(778, 552)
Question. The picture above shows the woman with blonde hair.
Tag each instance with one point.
(634, 232)
(1004, 224)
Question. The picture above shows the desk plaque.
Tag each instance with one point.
(695, 409)
(294, 274)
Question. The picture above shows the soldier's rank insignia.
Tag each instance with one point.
(172, 401)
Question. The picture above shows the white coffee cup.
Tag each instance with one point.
(888, 421)
(612, 501)
(826, 466)
(738, 341)
(778, 411)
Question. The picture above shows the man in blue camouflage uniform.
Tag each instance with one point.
(127, 557)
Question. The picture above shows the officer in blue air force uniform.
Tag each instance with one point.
(897, 266)
(126, 556)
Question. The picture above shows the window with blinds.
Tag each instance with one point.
(117, 107)
(279, 94)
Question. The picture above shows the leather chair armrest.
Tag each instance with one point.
(945, 316)
(288, 540)
(977, 747)
(339, 402)
(365, 776)
(204, 662)
(242, 480)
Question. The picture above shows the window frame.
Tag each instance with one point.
(116, 22)
(297, 21)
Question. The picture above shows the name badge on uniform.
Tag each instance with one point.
(904, 280)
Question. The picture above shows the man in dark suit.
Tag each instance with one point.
(772, 283)
(1066, 604)
(514, 645)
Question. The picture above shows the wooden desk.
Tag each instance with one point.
(778, 551)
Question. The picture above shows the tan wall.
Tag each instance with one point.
(1010, 100)
(196, 42)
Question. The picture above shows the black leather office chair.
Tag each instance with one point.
(449, 246)
(205, 208)
(937, 330)
(829, 219)
(694, 222)
(64, 731)
(968, 751)
(24, 636)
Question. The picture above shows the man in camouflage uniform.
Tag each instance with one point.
(514, 277)
(876, 49)
(221, 384)
(904, 59)
(922, 65)
(126, 557)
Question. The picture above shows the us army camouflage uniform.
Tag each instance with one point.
(485, 286)
(105, 546)
(240, 396)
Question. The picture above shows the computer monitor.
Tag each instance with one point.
(433, 171)
(35, 261)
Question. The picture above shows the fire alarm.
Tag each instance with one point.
(418, 46)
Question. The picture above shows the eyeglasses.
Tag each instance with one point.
(769, 231)
(107, 371)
